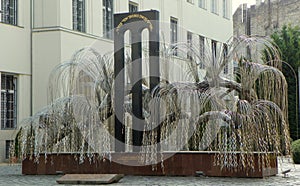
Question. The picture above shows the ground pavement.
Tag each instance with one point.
(10, 175)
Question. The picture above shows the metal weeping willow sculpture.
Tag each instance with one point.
(241, 114)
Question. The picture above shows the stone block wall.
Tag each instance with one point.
(266, 18)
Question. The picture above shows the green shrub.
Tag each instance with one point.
(296, 151)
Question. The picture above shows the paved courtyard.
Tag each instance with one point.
(10, 175)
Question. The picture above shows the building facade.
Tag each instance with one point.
(265, 17)
(15, 69)
(38, 35)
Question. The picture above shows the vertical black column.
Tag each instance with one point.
(119, 91)
(154, 65)
(137, 97)
(154, 52)
(138, 22)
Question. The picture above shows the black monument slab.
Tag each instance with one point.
(135, 22)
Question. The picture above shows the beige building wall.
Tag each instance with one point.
(190, 17)
(52, 47)
(15, 52)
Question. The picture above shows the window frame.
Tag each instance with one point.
(202, 4)
(214, 46)
(108, 20)
(202, 51)
(79, 24)
(174, 34)
(225, 9)
(131, 5)
(214, 6)
(190, 1)
(5, 103)
(8, 145)
(189, 40)
(11, 17)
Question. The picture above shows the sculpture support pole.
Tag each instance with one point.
(154, 66)
(119, 92)
(137, 97)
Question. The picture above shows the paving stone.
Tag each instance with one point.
(89, 178)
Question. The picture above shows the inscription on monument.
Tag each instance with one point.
(139, 16)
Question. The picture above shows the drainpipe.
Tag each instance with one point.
(31, 57)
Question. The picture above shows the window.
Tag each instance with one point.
(133, 7)
(244, 13)
(225, 55)
(8, 11)
(202, 3)
(201, 51)
(214, 6)
(108, 18)
(214, 50)
(79, 15)
(8, 144)
(190, 1)
(174, 34)
(235, 67)
(189, 37)
(8, 101)
(189, 45)
(85, 85)
(225, 9)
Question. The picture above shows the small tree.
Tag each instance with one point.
(288, 41)
(296, 151)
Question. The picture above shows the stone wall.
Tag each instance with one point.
(266, 18)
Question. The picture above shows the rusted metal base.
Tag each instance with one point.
(179, 164)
